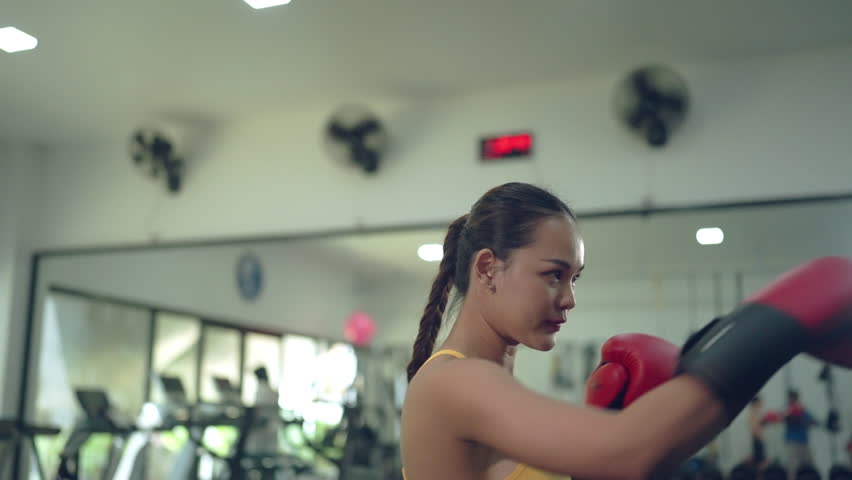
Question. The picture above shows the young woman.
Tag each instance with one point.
(514, 261)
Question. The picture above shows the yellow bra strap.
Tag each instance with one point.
(446, 351)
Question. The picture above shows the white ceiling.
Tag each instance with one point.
(102, 63)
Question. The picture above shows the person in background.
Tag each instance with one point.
(263, 440)
(756, 424)
(849, 450)
(797, 423)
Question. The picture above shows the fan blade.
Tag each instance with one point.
(675, 103)
(161, 147)
(365, 157)
(641, 83)
(636, 117)
(656, 131)
(365, 128)
(337, 131)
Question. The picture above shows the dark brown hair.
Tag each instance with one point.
(502, 220)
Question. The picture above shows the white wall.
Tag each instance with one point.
(302, 291)
(763, 128)
(18, 210)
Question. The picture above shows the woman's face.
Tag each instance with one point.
(534, 290)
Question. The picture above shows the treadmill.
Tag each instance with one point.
(98, 419)
(13, 433)
(197, 418)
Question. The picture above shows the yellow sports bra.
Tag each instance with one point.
(522, 471)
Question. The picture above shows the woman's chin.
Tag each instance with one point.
(543, 343)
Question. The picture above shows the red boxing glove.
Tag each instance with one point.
(631, 365)
(795, 410)
(818, 295)
(771, 417)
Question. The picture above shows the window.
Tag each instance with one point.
(261, 351)
(88, 344)
(221, 360)
(176, 347)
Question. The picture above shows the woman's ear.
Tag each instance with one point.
(484, 265)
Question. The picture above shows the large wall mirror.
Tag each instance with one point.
(154, 330)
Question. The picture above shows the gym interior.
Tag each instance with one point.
(220, 221)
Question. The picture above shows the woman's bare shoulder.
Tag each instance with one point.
(474, 400)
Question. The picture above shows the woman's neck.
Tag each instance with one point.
(475, 338)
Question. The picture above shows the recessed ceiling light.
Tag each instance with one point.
(13, 40)
(431, 252)
(258, 4)
(710, 236)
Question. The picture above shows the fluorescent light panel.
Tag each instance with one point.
(710, 236)
(258, 4)
(13, 40)
(431, 252)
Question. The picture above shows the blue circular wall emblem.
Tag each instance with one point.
(249, 276)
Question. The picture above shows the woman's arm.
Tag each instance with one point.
(673, 421)
(485, 404)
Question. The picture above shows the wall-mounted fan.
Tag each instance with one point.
(156, 154)
(652, 101)
(355, 136)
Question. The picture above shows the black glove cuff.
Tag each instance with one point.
(737, 354)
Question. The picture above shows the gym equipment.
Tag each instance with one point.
(370, 423)
(840, 472)
(196, 419)
(743, 471)
(256, 454)
(238, 464)
(364, 445)
(807, 472)
(698, 468)
(775, 472)
(153, 418)
(98, 419)
(13, 433)
(832, 423)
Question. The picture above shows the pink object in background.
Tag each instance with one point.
(359, 329)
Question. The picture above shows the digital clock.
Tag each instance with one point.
(506, 146)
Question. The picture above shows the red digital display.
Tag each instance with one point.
(506, 146)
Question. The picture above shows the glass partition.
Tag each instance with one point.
(182, 314)
(176, 348)
(261, 351)
(220, 362)
(88, 345)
